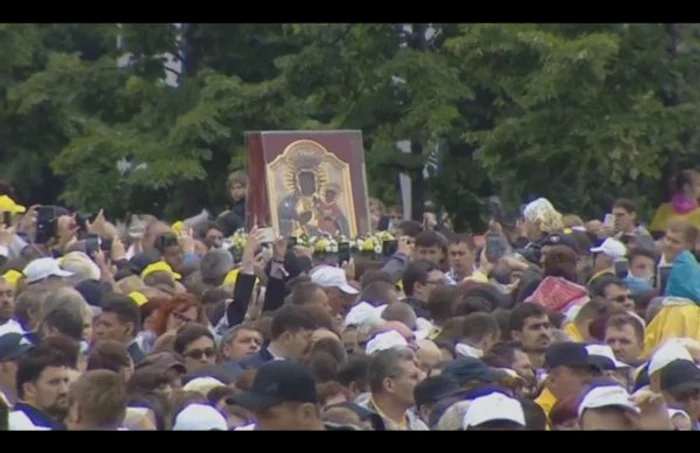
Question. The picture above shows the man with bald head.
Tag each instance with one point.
(428, 354)
(401, 312)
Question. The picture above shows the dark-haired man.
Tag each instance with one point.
(419, 279)
(120, 321)
(460, 255)
(283, 398)
(291, 332)
(42, 389)
(627, 227)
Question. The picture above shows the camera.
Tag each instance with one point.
(46, 224)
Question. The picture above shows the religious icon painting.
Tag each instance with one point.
(308, 183)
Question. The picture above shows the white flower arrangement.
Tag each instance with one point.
(365, 245)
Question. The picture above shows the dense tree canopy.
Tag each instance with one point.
(578, 113)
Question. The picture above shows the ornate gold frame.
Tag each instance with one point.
(310, 147)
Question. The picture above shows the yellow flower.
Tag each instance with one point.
(177, 227)
(385, 236)
(322, 245)
(369, 245)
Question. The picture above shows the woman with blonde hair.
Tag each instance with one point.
(540, 220)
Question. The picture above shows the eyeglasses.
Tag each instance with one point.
(197, 354)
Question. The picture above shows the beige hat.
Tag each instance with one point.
(203, 385)
(81, 266)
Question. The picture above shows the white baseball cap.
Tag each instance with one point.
(671, 350)
(495, 406)
(365, 313)
(332, 277)
(606, 395)
(43, 268)
(200, 417)
(203, 385)
(606, 353)
(384, 341)
(611, 248)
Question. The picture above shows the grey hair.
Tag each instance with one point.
(28, 304)
(214, 266)
(231, 333)
(387, 364)
(66, 299)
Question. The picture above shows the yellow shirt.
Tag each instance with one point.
(478, 277)
(672, 321)
(665, 214)
(391, 425)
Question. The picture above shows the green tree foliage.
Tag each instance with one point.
(580, 113)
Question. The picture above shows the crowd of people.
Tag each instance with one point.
(545, 322)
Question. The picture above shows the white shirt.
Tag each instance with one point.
(18, 421)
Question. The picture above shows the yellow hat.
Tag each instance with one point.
(12, 276)
(160, 266)
(139, 298)
(7, 204)
(177, 227)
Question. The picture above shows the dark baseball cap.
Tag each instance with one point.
(164, 361)
(13, 345)
(680, 376)
(569, 354)
(468, 369)
(144, 259)
(278, 382)
(561, 239)
(434, 389)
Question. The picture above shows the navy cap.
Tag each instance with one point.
(13, 345)
(92, 291)
(680, 376)
(566, 240)
(435, 388)
(144, 259)
(569, 354)
(278, 382)
(468, 369)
